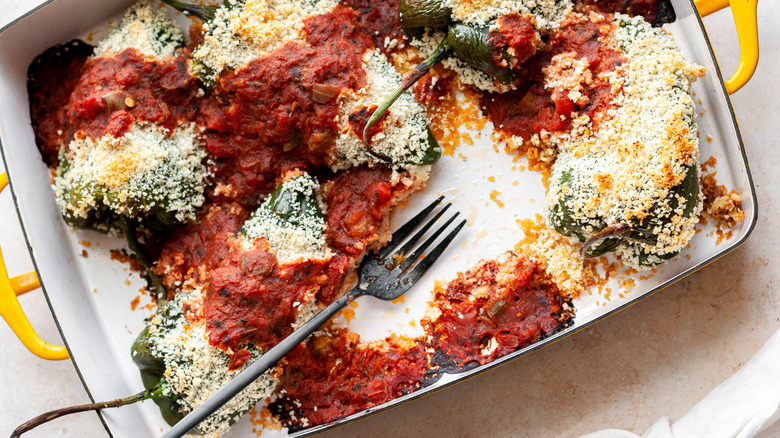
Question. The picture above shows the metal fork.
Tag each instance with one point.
(386, 275)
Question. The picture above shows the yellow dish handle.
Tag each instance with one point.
(745, 18)
(12, 312)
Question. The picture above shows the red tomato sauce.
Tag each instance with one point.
(380, 20)
(529, 109)
(251, 298)
(515, 34)
(334, 376)
(337, 376)
(282, 107)
(196, 248)
(276, 96)
(492, 311)
(357, 203)
(148, 90)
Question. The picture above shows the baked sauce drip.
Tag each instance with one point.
(335, 376)
(51, 78)
(655, 12)
(251, 298)
(514, 35)
(198, 247)
(491, 311)
(380, 20)
(530, 108)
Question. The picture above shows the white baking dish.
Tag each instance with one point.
(90, 296)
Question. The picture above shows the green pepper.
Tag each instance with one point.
(635, 234)
(153, 376)
(290, 203)
(467, 42)
(471, 45)
(416, 15)
(205, 13)
(433, 153)
(688, 191)
(291, 206)
(563, 221)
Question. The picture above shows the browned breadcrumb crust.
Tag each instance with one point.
(541, 155)
(722, 205)
(122, 256)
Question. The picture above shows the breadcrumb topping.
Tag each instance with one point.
(626, 170)
(147, 169)
(145, 28)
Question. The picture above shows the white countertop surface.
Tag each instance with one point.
(655, 359)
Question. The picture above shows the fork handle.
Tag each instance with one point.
(258, 367)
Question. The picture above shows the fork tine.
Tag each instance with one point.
(418, 235)
(409, 245)
(407, 228)
(412, 276)
(408, 260)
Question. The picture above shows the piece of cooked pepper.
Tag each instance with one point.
(479, 46)
(158, 351)
(138, 174)
(600, 238)
(152, 369)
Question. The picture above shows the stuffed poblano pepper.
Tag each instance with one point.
(631, 184)
(303, 76)
(130, 153)
(185, 346)
(182, 358)
(485, 42)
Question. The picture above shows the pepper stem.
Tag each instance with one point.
(442, 51)
(204, 13)
(611, 231)
(137, 249)
(57, 413)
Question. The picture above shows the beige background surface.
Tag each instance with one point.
(655, 359)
